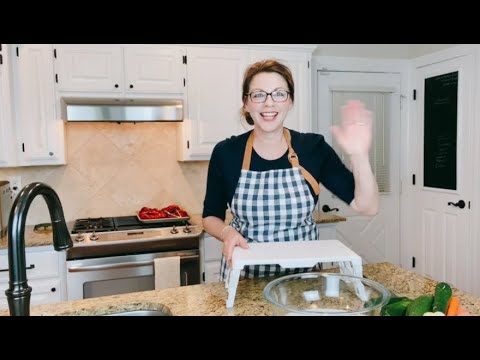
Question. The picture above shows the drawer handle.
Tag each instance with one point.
(27, 268)
(53, 289)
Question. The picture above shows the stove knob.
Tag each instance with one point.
(79, 237)
(174, 230)
(94, 237)
(187, 229)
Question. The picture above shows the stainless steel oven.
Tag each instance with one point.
(116, 255)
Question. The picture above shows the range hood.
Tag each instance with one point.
(117, 110)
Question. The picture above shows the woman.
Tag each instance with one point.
(270, 176)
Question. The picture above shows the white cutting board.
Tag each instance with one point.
(293, 253)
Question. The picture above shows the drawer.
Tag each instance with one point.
(39, 265)
(44, 291)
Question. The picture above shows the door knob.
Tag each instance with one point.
(460, 204)
(326, 208)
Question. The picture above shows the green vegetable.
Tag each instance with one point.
(396, 307)
(420, 306)
(443, 293)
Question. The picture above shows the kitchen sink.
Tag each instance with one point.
(139, 313)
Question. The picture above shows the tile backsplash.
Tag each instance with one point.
(115, 169)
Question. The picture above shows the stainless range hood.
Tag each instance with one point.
(116, 110)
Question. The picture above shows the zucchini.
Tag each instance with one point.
(442, 295)
(397, 307)
(420, 306)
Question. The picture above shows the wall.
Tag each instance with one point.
(392, 51)
(115, 169)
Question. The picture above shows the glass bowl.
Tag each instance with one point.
(326, 294)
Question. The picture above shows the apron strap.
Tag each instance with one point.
(292, 157)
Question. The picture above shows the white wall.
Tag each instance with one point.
(391, 51)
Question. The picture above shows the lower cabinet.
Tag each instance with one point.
(46, 273)
(211, 249)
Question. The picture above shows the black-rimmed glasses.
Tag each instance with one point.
(261, 96)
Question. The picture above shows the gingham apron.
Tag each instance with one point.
(274, 205)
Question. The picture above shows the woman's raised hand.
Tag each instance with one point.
(354, 134)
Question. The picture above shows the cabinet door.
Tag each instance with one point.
(212, 272)
(40, 132)
(154, 69)
(7, 133)
(214, 99)
(90, 67)
(299, 117)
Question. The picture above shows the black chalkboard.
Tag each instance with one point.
(440, 132)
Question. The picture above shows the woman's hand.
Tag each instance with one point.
(232, 238)
(354, 135)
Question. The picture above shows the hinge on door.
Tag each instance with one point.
(184, 59)
(203, 276)
(183, 82)
(56, 78)
(17, 52)
(413, 261)
(188, 144)
(23, 147)
(469, 204)
(1, 59)
(55, 53)
(308, 64)
(413, 179)
(414, 94)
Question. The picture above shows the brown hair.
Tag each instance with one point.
(268, 66)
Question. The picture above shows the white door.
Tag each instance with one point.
(375, 239)
(443, 173)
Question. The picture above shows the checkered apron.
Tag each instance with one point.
(274, 205)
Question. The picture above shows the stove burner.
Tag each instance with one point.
(120, 223)
(93, 224)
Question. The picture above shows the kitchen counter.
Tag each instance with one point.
(210, 299)
(44, 237)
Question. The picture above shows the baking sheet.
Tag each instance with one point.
(163, 220)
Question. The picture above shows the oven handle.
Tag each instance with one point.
(120, 266)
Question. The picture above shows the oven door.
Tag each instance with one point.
(89, 278)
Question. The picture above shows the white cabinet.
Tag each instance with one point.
(7, 131)
(131, 71)
(327, 231)
(211, 257)
(46, 274)
(214, 85)
(40, 133)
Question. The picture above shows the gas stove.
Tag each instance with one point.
(109, 236)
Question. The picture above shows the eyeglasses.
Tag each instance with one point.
(261, 96)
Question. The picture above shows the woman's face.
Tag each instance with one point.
(268, 115)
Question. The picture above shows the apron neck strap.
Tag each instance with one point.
(292, 157)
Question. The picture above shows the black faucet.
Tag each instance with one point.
(18, 294)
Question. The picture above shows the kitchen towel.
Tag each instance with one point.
(167, 272)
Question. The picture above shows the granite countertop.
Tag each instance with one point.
(44, 237)
(210, 299)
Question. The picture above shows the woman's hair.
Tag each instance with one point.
(268, 66)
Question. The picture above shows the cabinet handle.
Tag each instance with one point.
(116, 85)
(53, 289)
(32, 266)
(131, 86)
(50, 153)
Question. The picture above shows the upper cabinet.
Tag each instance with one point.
(120, 71)
(214, 100)
(214, 85)
(40, 133)
(7, 131)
